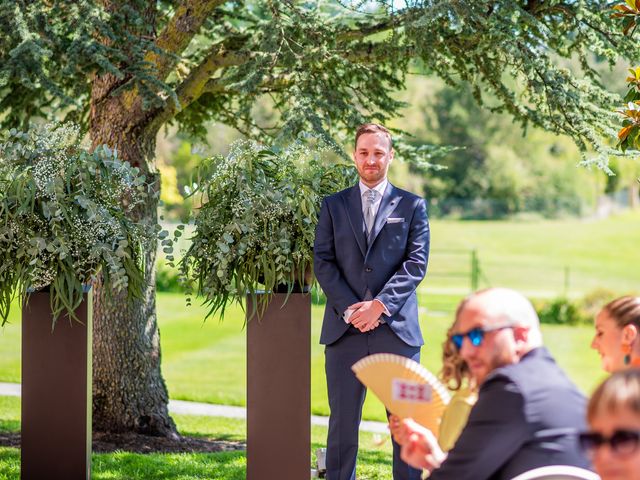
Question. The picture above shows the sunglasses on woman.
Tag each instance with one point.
(622, 442)
(476, 335)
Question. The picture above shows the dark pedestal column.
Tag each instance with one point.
(279, 390)
(56, 392)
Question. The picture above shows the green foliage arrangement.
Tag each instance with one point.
(256, 227)
(63, 218)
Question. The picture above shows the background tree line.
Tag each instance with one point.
(497, 169)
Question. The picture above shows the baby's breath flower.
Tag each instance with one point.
(63, 216)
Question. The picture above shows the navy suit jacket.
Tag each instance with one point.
(527, 416)
(390, 264)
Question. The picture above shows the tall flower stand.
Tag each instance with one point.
(279, 389)
(56, 392)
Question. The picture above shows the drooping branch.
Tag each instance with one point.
(178, 33)
(369, 52)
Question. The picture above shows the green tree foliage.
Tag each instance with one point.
(629, 135)
(496, 171)
(628, 13)
(325, 64)
(124, 69)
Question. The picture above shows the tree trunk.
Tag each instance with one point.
(129, 393)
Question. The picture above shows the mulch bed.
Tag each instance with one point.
(131, 442)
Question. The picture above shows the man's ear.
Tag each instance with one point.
(521, 336)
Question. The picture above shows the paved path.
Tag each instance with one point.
(181, 407)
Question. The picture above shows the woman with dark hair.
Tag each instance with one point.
(613, 414)
(617, 337)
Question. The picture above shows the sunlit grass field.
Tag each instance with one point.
(204, 360)
(374, 456)
(533, 256)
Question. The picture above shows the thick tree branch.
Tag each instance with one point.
(277, 83)
(177, 34)
(228, 53)
(531, 6)
(172, 41)
(221, 55)
(362, 31)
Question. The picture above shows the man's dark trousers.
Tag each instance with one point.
(347, 394)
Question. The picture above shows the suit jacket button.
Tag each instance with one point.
(368, 269)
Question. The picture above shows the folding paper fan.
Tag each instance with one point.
(405, 387)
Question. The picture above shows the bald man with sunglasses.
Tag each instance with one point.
(528, 412)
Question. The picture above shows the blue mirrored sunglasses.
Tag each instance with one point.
(475, 335)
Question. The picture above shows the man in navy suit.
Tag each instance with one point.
(370, 254)
(528, 412)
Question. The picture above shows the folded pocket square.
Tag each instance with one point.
(395, 220)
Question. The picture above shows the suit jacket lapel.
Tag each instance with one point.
(389, 202)
(353, 204)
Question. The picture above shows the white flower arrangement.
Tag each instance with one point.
(65, 216)
(255, 229)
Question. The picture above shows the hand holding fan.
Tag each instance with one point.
(405, 387)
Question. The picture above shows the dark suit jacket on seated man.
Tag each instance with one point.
(528, 412)
(370, 254)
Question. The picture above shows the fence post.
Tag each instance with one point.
(567, 273)
(475, 270)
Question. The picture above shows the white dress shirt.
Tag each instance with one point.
(380, 188)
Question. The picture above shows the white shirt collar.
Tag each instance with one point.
(380, 188)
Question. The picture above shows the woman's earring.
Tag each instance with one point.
(626, 349)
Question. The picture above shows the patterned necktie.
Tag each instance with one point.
(369, 216)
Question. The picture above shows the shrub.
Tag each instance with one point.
(168, 279)
(562, 311)
(572, 312)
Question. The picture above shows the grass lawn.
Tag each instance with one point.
(205, 360)
(374, 456)
(531, 256)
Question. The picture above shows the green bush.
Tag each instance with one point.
(562, 311)
(573, 312)
(593, 301)
(168, 279)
